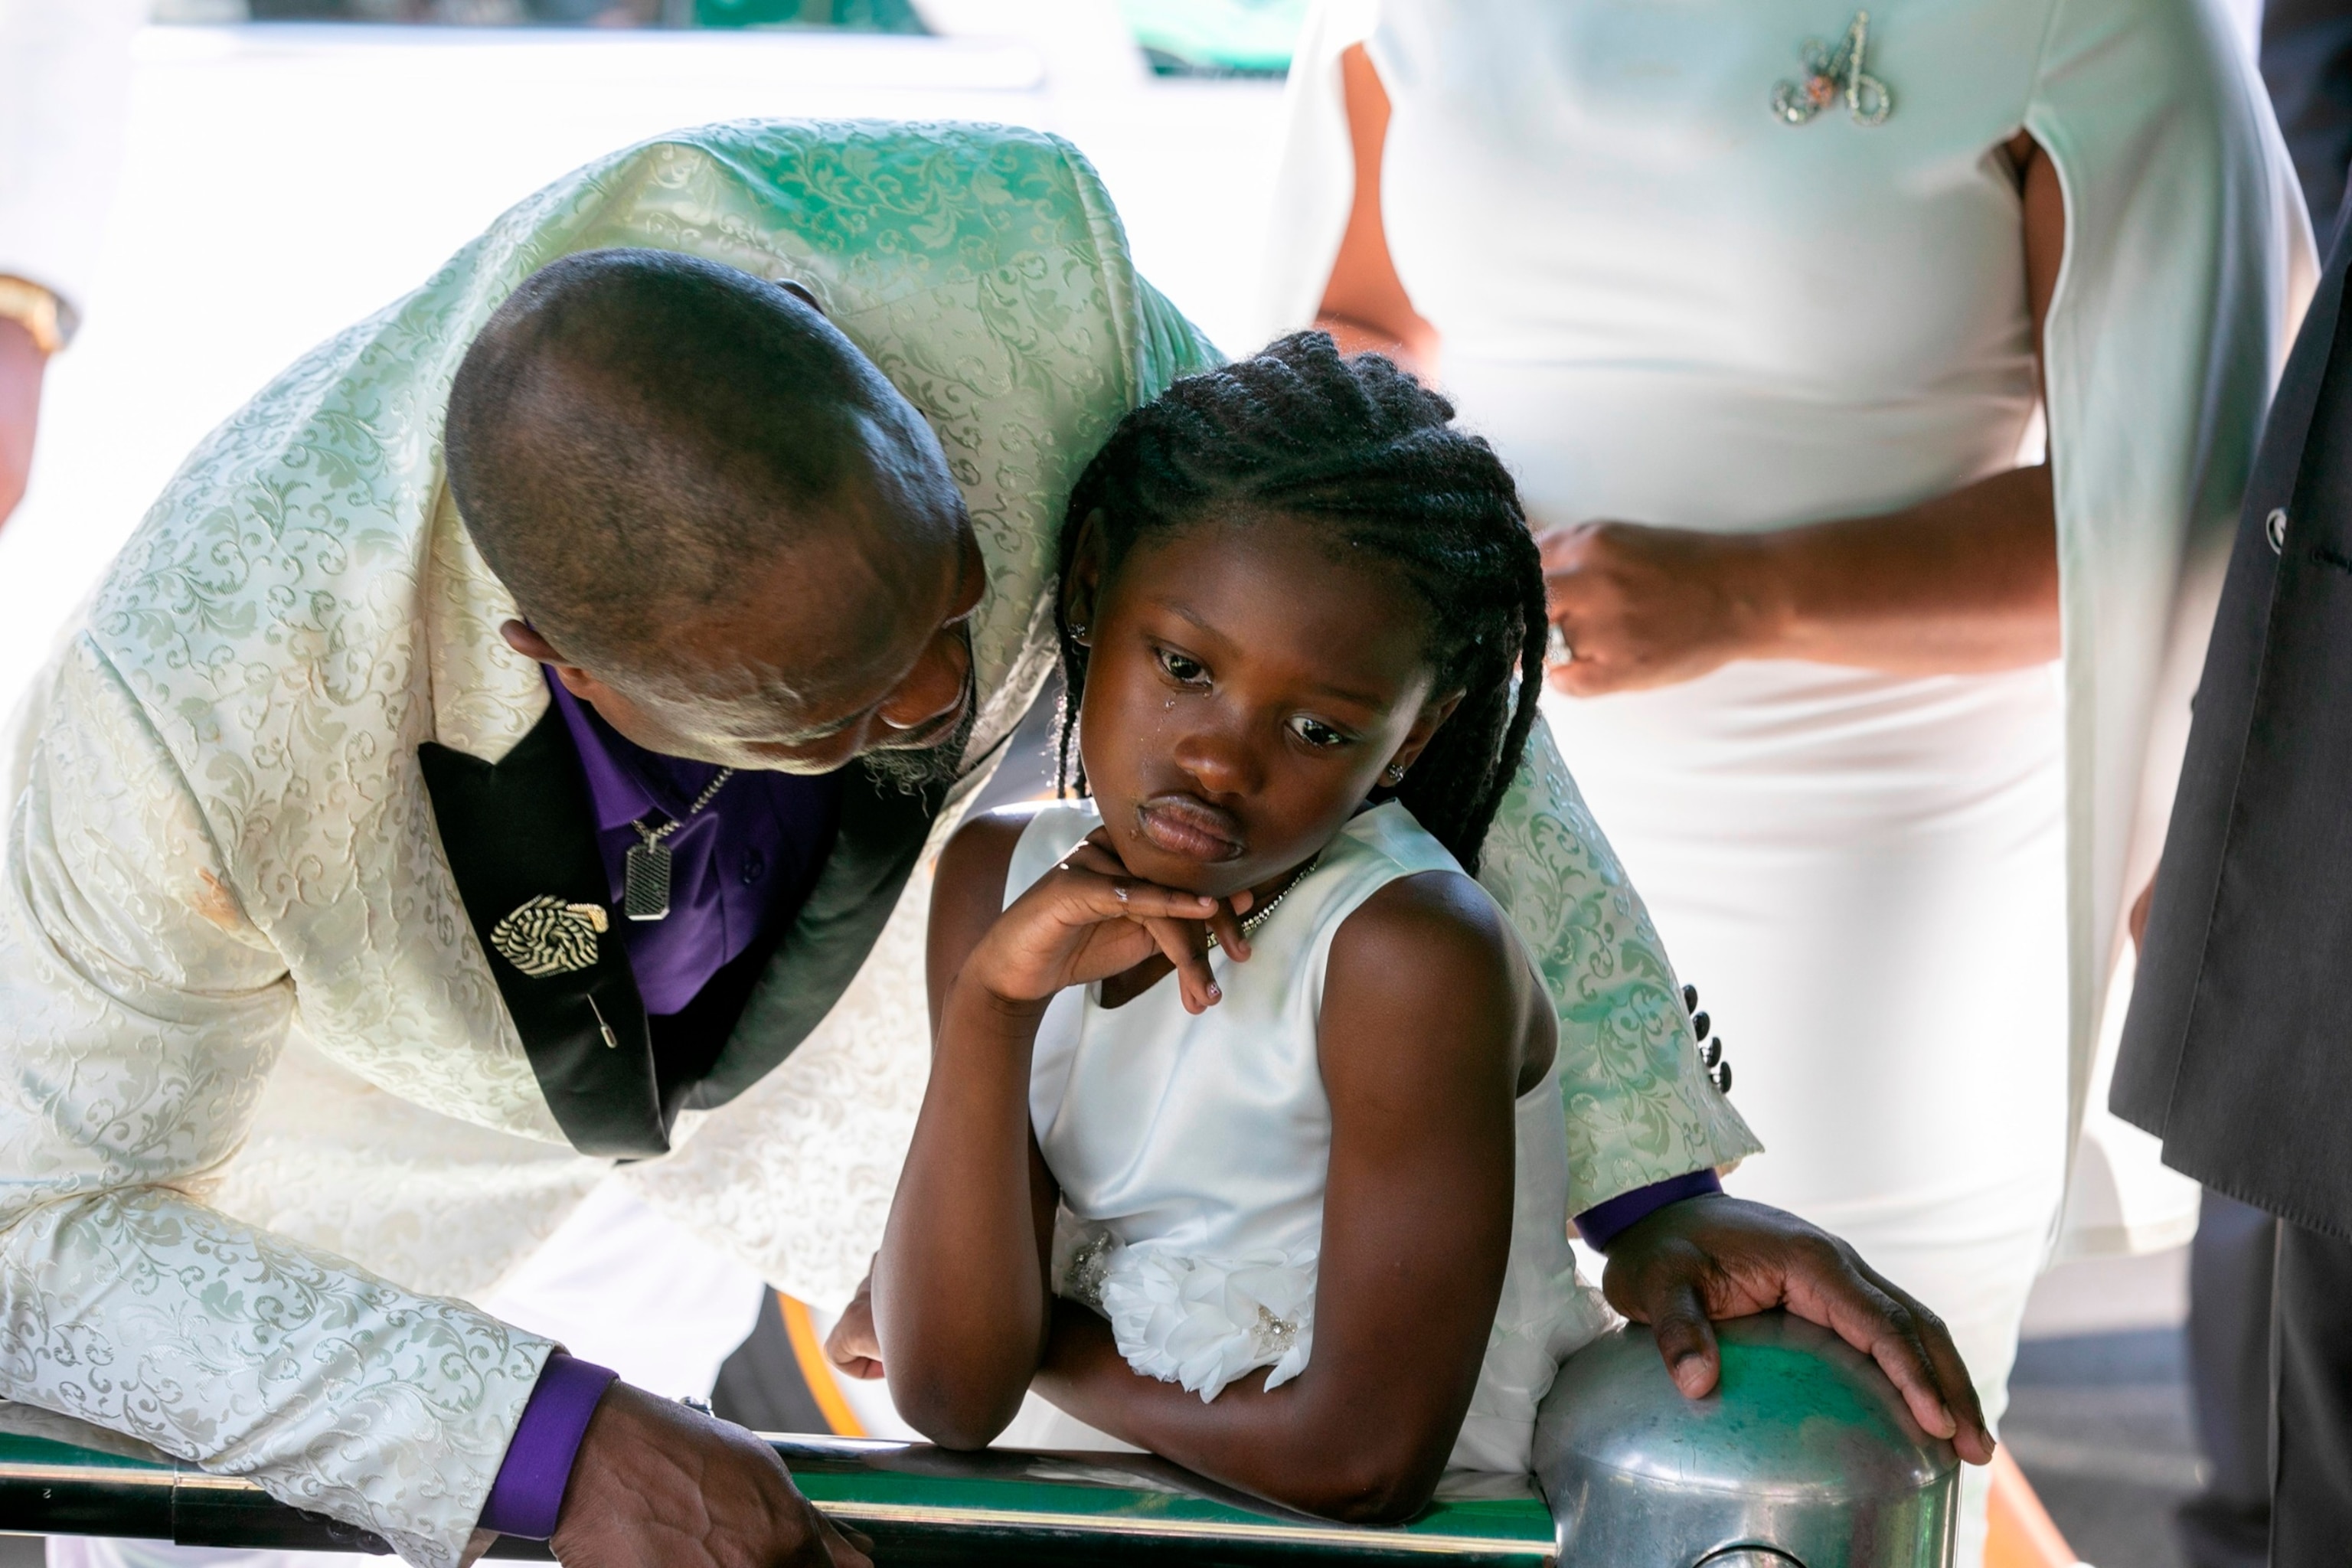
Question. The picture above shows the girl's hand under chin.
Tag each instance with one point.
(1088, 919)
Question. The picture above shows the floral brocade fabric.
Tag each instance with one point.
(1638, 1110)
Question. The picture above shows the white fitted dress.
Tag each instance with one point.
(1192, 1155)
(1663, 305)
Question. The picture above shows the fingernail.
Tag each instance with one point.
(1216, 991)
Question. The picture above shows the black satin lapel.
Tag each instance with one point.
(881, 834)
(514, 831)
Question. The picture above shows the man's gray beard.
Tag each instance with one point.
(917, 769)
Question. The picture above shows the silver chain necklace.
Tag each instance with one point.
(1264, 911)
(645, 870)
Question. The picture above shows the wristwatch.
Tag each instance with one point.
(49, 319)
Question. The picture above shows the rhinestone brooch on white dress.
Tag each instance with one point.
(1271, 1335)
(1083, 1281)
(1831, 71)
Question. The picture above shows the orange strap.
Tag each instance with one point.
(2021, 1533)
(816, 1368)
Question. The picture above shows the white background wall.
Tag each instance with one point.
(281, 182)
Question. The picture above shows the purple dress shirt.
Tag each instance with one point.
(529, 1491)
(740, 872)
(739, 868)
(1604, 1223)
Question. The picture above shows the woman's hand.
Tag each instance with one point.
(1087, 920)
(1716, 1256)
(1642, 606)
(1965, 582)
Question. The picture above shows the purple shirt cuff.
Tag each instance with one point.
(529, 1492)
(1604, 1223)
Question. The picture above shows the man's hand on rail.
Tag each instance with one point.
(656, 1485)
(1717, 1257)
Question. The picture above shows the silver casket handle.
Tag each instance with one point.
(1805, 1457)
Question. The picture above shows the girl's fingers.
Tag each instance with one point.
(1227, 924)
(1178, 940)
(1091, 868)
(1093, 857)
(1123, 898)
(1175, 921)
(1102, 891)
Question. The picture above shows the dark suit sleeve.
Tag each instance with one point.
(2231, 1049)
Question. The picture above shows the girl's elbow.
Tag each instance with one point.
(964, 1431)
(1369, 1489)
(1383, 1502)
(954, 1412)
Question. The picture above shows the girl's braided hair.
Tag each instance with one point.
(1360, 448)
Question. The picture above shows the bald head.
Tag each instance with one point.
(642, 443)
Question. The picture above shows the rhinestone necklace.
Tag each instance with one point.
(645, 870)
(1264, 911)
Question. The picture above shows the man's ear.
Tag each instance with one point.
(1083, 588)
(1433, 718)
(524, 638)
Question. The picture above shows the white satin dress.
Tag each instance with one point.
(1193, 1153)
(1662, 305)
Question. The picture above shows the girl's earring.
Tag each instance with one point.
(1078, 631)
(1394, 774)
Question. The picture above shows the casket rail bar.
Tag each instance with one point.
(919, 1505)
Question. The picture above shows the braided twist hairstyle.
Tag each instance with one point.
(1360, 448)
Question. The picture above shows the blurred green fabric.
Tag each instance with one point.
(855, 15)
(1215, 37)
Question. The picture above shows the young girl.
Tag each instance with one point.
(1296, 1178)
(1242, 1140)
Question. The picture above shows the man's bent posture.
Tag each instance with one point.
(427, 815)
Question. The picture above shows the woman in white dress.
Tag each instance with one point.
(1766, 328)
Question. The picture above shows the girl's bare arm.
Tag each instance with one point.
(1428, 1017)
(960, 1303)
(959, 1298)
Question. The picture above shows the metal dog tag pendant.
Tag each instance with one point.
(644, 882)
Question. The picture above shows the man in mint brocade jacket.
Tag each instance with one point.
(445, 800)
